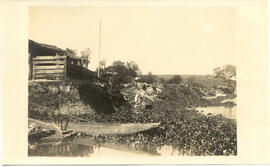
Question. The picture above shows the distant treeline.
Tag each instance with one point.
(209, 81)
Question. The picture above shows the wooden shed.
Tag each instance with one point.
(48, 62)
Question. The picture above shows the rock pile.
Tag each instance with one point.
(141, 95)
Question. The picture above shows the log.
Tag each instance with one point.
(51, 71)
(38, 76)
(49, 57)
(49, 62)
(48, 67)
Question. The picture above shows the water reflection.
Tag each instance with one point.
(85, 147)
(61, 149)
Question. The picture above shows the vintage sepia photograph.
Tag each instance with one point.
(108, 81)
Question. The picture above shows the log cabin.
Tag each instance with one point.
(48, 62)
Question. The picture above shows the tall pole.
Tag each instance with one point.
(99, 46)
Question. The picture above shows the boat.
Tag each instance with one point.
(111, 129)
(97, 128)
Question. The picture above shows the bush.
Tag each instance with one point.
(191, 81)
(72, 111)
(149, 78)
(175, 79)
(125, 72)
(75, 109)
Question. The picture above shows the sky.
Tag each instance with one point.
(163, 40)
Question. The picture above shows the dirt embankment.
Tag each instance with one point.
(47, 97)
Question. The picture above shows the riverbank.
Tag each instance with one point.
(189, 131)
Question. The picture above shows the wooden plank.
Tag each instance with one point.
(49, 57)
(51, 79)
(49, 76)
(44, 58)
(49, 67)
(44, 80)
(49, 71)
(49, 62)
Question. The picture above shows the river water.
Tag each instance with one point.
(229, 112)
(226, 111)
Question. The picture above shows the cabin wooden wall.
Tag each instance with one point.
(51, 67)
(46, 64)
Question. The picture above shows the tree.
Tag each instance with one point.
(133, 69)
(85, 56)
(118, 63)
(122, 72)
(228, 74)
(175, 79)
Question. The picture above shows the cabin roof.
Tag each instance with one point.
(51, 48)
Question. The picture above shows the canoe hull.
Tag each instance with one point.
(112, 129)
(99, 128)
